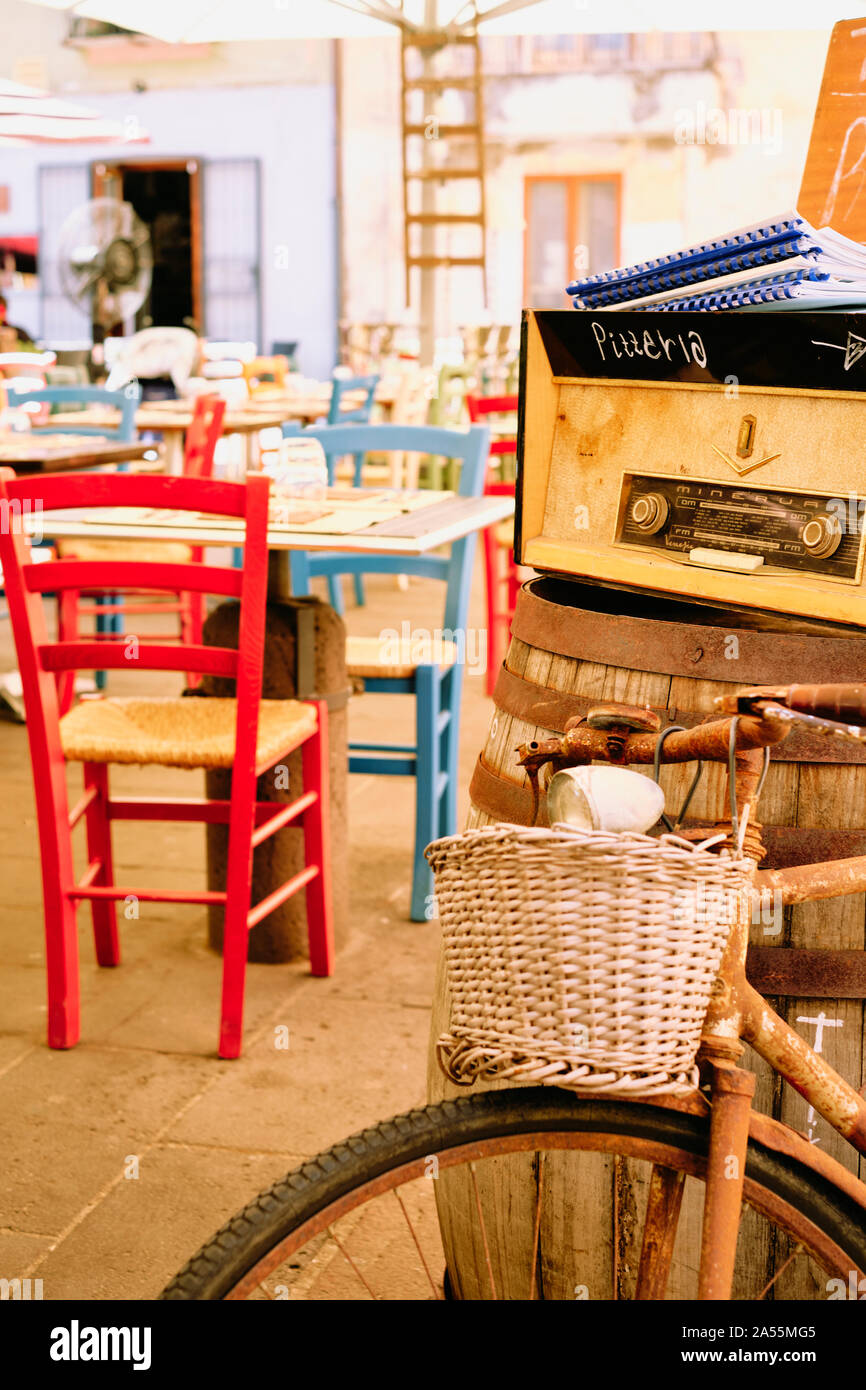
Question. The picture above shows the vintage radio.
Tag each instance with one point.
(716, 456)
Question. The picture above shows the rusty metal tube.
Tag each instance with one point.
(809, 882)
(809, 1073)
(708, 741)
(666, 1189)
(732, 1091)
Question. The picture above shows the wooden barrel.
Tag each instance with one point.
(574, 645)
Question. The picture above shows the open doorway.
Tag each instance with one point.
(166, 196)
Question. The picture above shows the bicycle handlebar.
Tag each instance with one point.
(757, 718)
(845, 703)
(764, 715)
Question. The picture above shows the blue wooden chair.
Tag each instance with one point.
(126, 402)
(71, 397)
(390, 664)
(360, 415)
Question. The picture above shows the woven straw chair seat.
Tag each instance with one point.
(155, 552)
(177, 732)
(375, 656)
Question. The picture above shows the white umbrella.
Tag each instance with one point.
(28, 116)
(204, 21)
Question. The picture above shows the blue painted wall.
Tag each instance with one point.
(290, 130)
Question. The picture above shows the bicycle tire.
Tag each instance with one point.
(331, 1179)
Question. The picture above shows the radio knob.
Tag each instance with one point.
(650, 512)
(822, 536)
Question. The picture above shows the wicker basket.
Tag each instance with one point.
(581, 959)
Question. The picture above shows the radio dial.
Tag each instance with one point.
(822, 536)
(650, 512)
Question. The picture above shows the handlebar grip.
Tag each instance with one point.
(845, 703)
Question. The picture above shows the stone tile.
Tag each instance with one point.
(12, 1052)
(18, 1251)
(52, 1168)
(146, 1229)
(181, 1014)
(349, 1063)
(391, 960)
(85, 1085)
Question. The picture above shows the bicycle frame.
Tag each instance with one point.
(737, 1013)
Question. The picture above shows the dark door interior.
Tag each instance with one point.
(162, 199)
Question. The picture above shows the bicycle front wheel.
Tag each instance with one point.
(361, 1220)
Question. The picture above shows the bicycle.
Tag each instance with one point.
(330, 1228)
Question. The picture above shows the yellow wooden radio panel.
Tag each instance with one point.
(715, 456)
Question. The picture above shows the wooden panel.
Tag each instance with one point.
(832, 189)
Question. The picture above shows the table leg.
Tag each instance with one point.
(173, 443)
(305, 655)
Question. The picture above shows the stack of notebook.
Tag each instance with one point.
(783, 263)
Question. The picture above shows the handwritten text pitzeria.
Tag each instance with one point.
(650, 342)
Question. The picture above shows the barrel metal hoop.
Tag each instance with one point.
(685, 649)
(798, 973)
(501, 799)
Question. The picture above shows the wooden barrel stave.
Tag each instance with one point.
(599, 1200)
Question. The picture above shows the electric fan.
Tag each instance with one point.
(105, 260)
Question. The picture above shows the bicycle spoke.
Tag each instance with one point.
(344, 1252)
(536, 1232)
(483, 1230)
(798, 1250)
(666, 1189)
(414, 1236)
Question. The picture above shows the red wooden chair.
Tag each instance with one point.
(246, 733)
(501, 575)
(201, 441)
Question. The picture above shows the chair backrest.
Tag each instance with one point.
(44, 663)
(286, 348)
(266, 373)
(481, 406)
(470, 446)
(65, 397)
(343, 386)
(205, 429)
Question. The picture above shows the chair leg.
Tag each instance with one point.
(448, 754)
(317, 849)
(427, 691)
(191, 626)
(359, 590)
(335, 594)
(239, 882)
(104, 625)
(67, 631)
(61, 929)
(61, 957)
(99, 847)
(490, 587)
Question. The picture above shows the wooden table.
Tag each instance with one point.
(413, 532)
(172, 419)
(41, 451)
(308, 407)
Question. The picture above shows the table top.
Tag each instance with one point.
(309, 407)
(175, 415)
(43, 451)
(413, 531)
